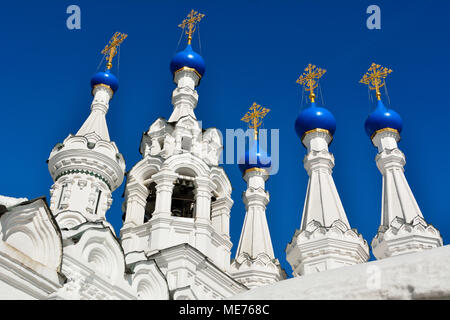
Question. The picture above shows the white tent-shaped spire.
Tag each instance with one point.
(325, 239)
(403, 228)
(255, 264)
(96, 122)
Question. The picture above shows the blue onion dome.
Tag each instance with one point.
(187, 58)
(255, 157)
(106, 78)
(314, 117)
(381, 118)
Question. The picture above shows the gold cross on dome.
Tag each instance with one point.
(111, 48)
(310, 78)
(191, 21)
(374, 78)
(254, 117)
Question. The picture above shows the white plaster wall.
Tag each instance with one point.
(421, 275)
(9, 292)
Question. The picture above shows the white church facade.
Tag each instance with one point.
(175, 240)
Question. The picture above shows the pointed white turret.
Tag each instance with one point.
(96, 122)
(255, 264)
(87, 167)
(325, 239)
(403, 228)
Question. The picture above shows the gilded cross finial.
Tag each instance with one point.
(310, 78)
(254, 117)
(111, 48)
(191, 22)
(374, 78)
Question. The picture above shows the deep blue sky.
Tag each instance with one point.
(254, 51)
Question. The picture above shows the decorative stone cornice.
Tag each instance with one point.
(390, 158)
(258, 271)
(204, 185)
(319, 160)
(165, 178)
(195, 270)
(402, 237)
(255, 197)
(310, 136)
(101, 159)
(319, 248)
(86, 172)
(379, 137)
(224, 203)
(186, 76)
(337, 230)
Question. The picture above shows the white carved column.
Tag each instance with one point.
(162, 216)
(136, 194)
(202, 222)
(203, 194)
(325, 239)
(403, 228)
(164, 187)
(220, 215)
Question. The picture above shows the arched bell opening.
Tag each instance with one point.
(213, 199)
(183, 198)
(151, 201)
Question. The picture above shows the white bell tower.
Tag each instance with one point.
(178, 191)
(177, 198)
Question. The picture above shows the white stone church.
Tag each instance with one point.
(175, 239)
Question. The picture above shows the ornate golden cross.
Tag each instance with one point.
(374, 78)
(191, 21)
(310, 78)
(111, 48)
(254, 117)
